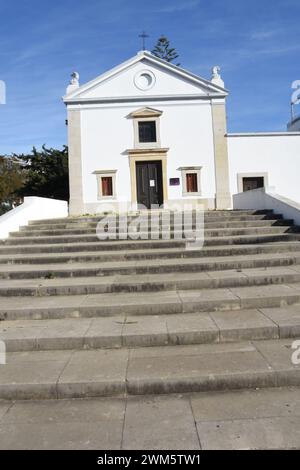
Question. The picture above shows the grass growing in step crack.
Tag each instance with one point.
(49, 276)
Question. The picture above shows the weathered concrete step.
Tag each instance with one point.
(150, 282)
(227, 214)
(157, 370)
(120, 245)
(232, 219)
(151, 253)
(78, 229)
(81, 242)
(166, 302)
(155, 267)
(65, 223)
(21, 237)
(257, 419)
(149, 331)
(249, 239)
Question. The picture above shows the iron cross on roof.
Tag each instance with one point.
(144, 36)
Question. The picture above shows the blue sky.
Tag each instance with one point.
(256, 43)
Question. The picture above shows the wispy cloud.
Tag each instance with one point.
(265, 34)
(272, 50)
(177, 7)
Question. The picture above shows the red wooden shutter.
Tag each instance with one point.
(191, 183)
(107, 187)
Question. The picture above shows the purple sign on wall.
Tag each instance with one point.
(174, 181)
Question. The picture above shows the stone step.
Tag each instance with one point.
(81, 242)
(149, 282)
(149, 331)
(145, 267)
(120, 245)
(77, 229)
(227, 214)
(79, 317)
(149, 254)
(233, 219)
(145, 303)
(141, 371)
(189, 233)
(257, 419)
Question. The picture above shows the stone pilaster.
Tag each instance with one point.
(76, 206)
(223, 196)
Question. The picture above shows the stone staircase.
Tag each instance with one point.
(82, 317)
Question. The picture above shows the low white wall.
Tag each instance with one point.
(261, 199)
(33, 208)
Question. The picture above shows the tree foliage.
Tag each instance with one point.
(163, 50)
(46, 173)
(11, 180)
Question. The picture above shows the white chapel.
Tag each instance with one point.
(148, 133)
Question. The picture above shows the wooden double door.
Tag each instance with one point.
(149, 181)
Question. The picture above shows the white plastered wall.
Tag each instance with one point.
(107, 133)
(278, 155)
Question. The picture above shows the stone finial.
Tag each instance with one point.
(74, 82)
(216, 71)
(216, 77)
(74, 78)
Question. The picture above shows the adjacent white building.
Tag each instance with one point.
(148, 132)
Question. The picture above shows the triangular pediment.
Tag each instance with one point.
(146, 112)
(144, 76)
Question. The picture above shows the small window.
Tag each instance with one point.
(106, 183)
(147, 131)
(191, 180)
(253, 183)
(191, 183)
(107, 186)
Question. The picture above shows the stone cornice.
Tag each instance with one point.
(138, 99)
(147, 151)
(264, 134)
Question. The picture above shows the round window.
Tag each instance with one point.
(144, 80)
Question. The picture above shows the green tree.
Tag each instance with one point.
(46, 173)
(164, 51)
(11, 180)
